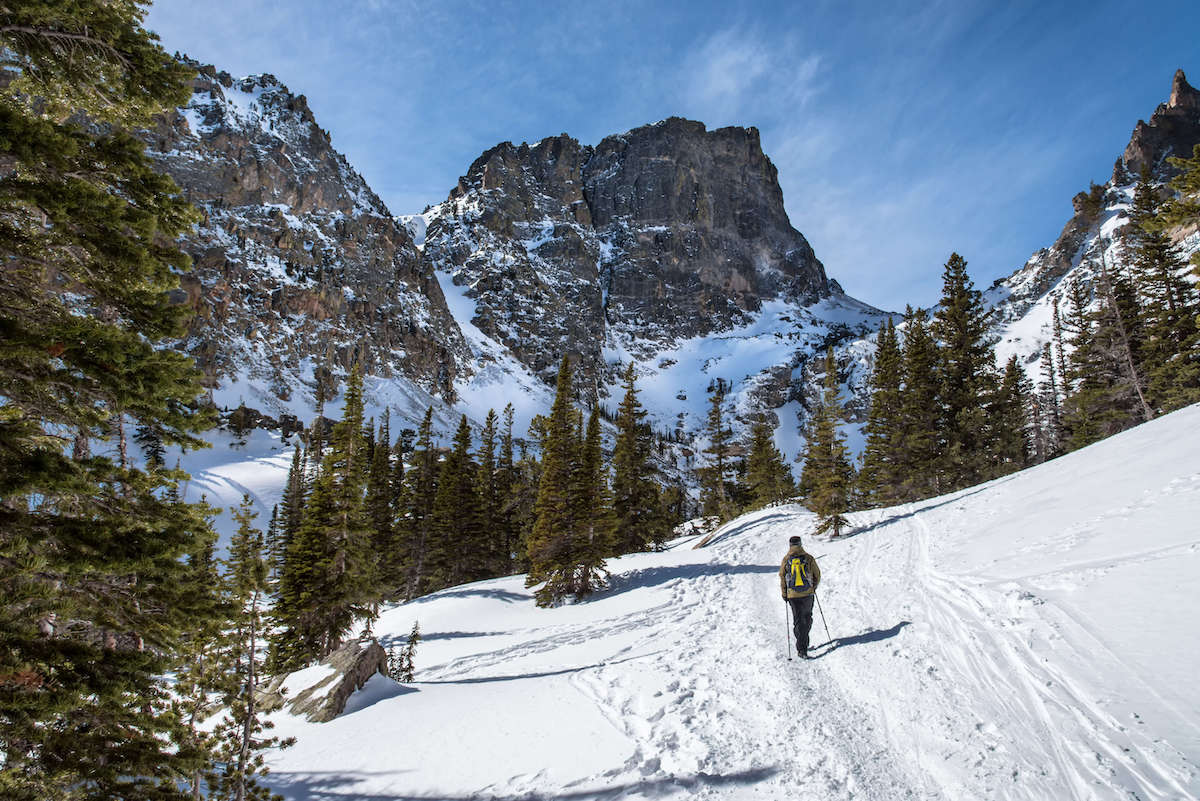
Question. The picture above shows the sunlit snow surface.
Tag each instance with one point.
(1031, 638)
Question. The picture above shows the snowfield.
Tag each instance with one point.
(1030, 638)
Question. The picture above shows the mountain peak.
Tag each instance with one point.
(1183, 95)
(1172, 130)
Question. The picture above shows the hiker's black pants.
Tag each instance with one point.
(802, 620)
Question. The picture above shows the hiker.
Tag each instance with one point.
(798, 578)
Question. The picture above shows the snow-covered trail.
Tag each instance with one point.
(674, 683)
(1032, 638)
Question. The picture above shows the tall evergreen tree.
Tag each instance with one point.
(637, 522)
(768, 478)
(1184, 208)
(291, 510)
(1171, 350)
(920, 410)
(507, 496)
(201, 674)
(883, 462)
(420, 490)
(1010, 421)
(457, 551)
(1049, 406)
(491, 538)
(557, 558)
(378, 510)
(91, 550)
(241, 732)
(967, 371)
(827, 480)
(593, 512)
(328, 578)
(716, 476)
(1089, 413)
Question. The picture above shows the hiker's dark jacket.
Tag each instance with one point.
(813, 571)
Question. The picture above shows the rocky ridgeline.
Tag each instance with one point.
(663, 233)
(297, 265)
(1096, 231)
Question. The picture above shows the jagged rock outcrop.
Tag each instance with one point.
(320, 692)
(297, 264)
(662, 233)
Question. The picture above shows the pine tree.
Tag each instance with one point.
(1010, 422)
(91, 550)
(507, 497)
(457, 552)
(404, 665)
(240, 733)
(1089, 412)
(523, 500)
(291, 511)
(637, 522)
(883, 461)
(201, 675)
(827, 480)
(420, 490)
(592, 513)
(768, 478)
(1184, 209)
(1048, 423)
(1171, 350)
(328, 578)
(378, 510)
(557, 557)
(1119, 330)
(715, 477)
(920, 410)
(967, 372)
(487, 483)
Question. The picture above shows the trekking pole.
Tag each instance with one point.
(823, 623)
(787, 621)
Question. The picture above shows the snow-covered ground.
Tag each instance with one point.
(1031, 638)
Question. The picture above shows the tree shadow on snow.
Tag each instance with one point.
(887, 521)
(330, 786)
(464, 592)
(653, 576)
(388, 640)
(874, 635)
(540, 675)
(749, 525)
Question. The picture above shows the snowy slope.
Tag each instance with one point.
(1031, 638)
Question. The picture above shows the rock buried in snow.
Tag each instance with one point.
(319, 692)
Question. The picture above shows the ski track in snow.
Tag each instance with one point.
(1025, 639)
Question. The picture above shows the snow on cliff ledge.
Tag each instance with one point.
(1030, 638)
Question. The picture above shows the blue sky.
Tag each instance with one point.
(902, 131)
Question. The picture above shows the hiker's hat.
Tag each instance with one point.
(794, 540)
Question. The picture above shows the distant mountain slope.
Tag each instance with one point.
(1030, 638)
(1022, 303)
(298, 266)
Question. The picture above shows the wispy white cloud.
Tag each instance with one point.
(736, 74)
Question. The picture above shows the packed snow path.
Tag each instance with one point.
(1032, 638)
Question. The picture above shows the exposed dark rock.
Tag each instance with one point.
(322, 700)
(296, 258)
(666, 232)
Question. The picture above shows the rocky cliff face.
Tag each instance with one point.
(664, 233)
(297, 265)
